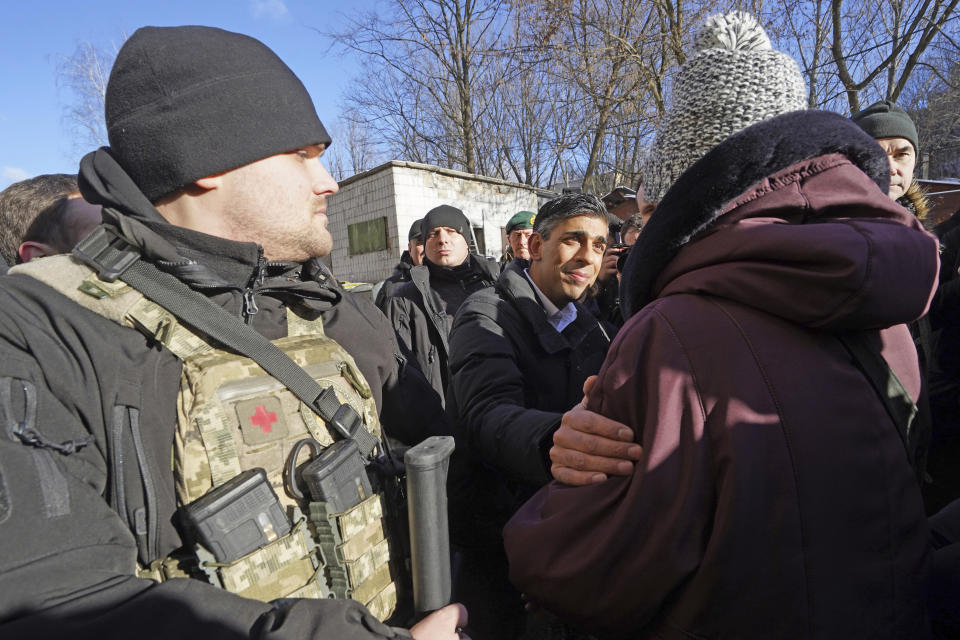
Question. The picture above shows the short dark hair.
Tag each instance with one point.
(569, 205)
(23, 201)
(51, 227)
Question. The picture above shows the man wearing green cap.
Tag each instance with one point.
(897, 135)
(519, 229)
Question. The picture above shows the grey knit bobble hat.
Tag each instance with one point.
(733, 79)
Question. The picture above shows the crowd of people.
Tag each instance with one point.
(730, 411)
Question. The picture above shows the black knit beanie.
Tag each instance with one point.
(446, 216)
(184, 103)
(885, 119)
(415, 231)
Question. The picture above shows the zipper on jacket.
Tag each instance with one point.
(149, 528)
(118, 496)
(52, 485)
(142, 521)
(250, 307)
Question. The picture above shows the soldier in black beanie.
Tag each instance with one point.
(212, 189)
(422, 310)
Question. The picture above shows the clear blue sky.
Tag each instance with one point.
(34, 34)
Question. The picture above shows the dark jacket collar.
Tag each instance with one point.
(514, 287)
(433, 306)
(699, 195)
(420, 277)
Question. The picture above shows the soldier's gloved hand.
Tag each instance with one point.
(589, 447)
(442, 624)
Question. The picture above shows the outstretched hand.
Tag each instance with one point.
(588, 447)
(442, 624)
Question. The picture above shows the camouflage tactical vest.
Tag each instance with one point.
(232, 416)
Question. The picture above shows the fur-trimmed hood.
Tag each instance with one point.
(790, 215)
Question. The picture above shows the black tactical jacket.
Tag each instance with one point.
(401, 274)
(81, 396)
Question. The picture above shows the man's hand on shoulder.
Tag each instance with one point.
(588, 447)
(442, 624)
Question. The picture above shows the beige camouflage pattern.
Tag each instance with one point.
(209, 446)
(153, 320)
(116, 301)
(77, 281)
(376, 583)
(353, 521)
(313, 589)
(360, 570)
(353, 548)
(299, 326)
(282, 567)
(383, 604)
(215, 382)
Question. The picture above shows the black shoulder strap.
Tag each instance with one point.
(898, 403)
(110, 255)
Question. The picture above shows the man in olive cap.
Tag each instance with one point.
(519, 229)
(422, 309)
(897, 134)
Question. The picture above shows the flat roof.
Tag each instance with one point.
(463, 175)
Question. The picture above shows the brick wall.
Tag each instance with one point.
(366, 199)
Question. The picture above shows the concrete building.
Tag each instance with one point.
(371, 215)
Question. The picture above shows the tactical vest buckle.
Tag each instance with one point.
(106, 253)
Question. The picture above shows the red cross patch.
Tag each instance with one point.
(261, 420)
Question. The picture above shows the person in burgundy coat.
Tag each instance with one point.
(774, 497)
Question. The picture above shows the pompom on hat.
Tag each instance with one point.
(733, 79)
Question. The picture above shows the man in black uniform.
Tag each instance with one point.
(422, 310)
(213, 176)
